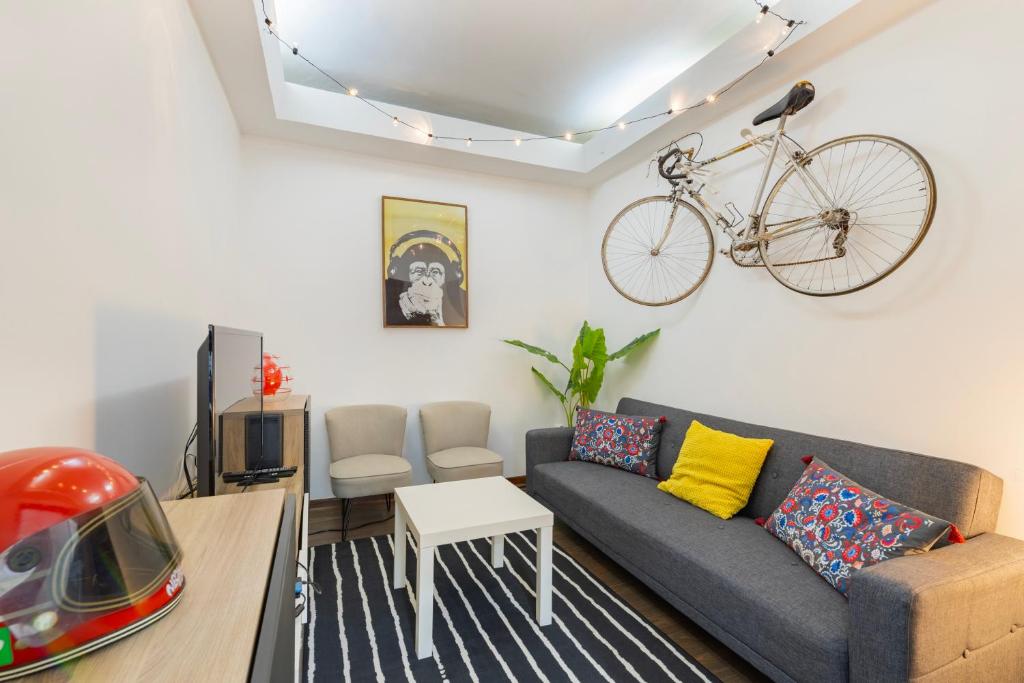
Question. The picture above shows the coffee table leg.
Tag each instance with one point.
(399, 568)
(544, 575)
(497, 551)
(425, 603)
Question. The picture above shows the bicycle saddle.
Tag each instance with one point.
(799, 96)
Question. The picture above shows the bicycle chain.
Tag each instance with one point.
(761, 264)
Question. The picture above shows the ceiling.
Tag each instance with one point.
(482, 69)
(536, 66)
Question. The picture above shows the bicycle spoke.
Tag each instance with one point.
(884, 200)
(646, 273)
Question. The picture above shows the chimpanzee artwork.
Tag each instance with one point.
(425, 248)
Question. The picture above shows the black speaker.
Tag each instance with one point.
(273, 441)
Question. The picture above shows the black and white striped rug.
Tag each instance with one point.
(484, 629)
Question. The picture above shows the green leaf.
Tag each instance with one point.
(591, 385)
(589, 360)
(589, 354)
(546, 382)
(534, 350)
(634, 345)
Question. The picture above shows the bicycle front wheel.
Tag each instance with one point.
(855, 211)
(654, 255)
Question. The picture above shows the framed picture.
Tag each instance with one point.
(425, 247)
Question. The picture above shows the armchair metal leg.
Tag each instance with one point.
(346, 503)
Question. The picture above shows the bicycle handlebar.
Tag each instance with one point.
(676, 155)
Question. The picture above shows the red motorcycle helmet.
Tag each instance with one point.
(86, 557)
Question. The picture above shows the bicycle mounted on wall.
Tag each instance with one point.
(839, 218)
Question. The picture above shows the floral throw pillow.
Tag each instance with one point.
(624, 441)
(839, 527)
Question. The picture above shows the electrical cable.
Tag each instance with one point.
(354, 528)
(184, 462)
(791, 26)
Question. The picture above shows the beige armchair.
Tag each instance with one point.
(455, 436)
(366, 454)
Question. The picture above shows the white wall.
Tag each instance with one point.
(130, 216)
(117, 181)
(309, 249)
(930, 359)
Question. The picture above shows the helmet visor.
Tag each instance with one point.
(103, 560)
(117, 557)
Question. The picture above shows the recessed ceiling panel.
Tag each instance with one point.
(532, 65)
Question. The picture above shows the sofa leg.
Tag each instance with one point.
(387, 501)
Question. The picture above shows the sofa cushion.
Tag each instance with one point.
(966, 495)
(716, 470)
(838, 526)
(624, 441)
(730, 572)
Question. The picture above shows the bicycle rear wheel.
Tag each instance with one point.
(871, 205)
(644, 273)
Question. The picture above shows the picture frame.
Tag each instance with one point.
(425, 263)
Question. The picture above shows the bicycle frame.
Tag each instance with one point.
(769, 145)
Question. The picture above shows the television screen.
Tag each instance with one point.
(229, 364)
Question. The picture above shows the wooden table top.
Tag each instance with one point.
(228, 544)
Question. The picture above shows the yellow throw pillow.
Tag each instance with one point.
(716, 470)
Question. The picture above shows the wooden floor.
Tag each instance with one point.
(325, 525)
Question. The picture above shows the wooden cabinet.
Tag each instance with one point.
(294, 413)
(236, 618)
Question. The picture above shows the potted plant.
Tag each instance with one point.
(586, 375)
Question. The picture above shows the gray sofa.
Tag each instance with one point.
(953, 614)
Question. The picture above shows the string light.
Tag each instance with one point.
(769, 51)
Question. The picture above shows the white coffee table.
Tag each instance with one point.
(462, 511)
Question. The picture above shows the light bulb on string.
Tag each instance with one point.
(768, 51)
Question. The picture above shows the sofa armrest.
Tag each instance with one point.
(546, 445)
(952, 614)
